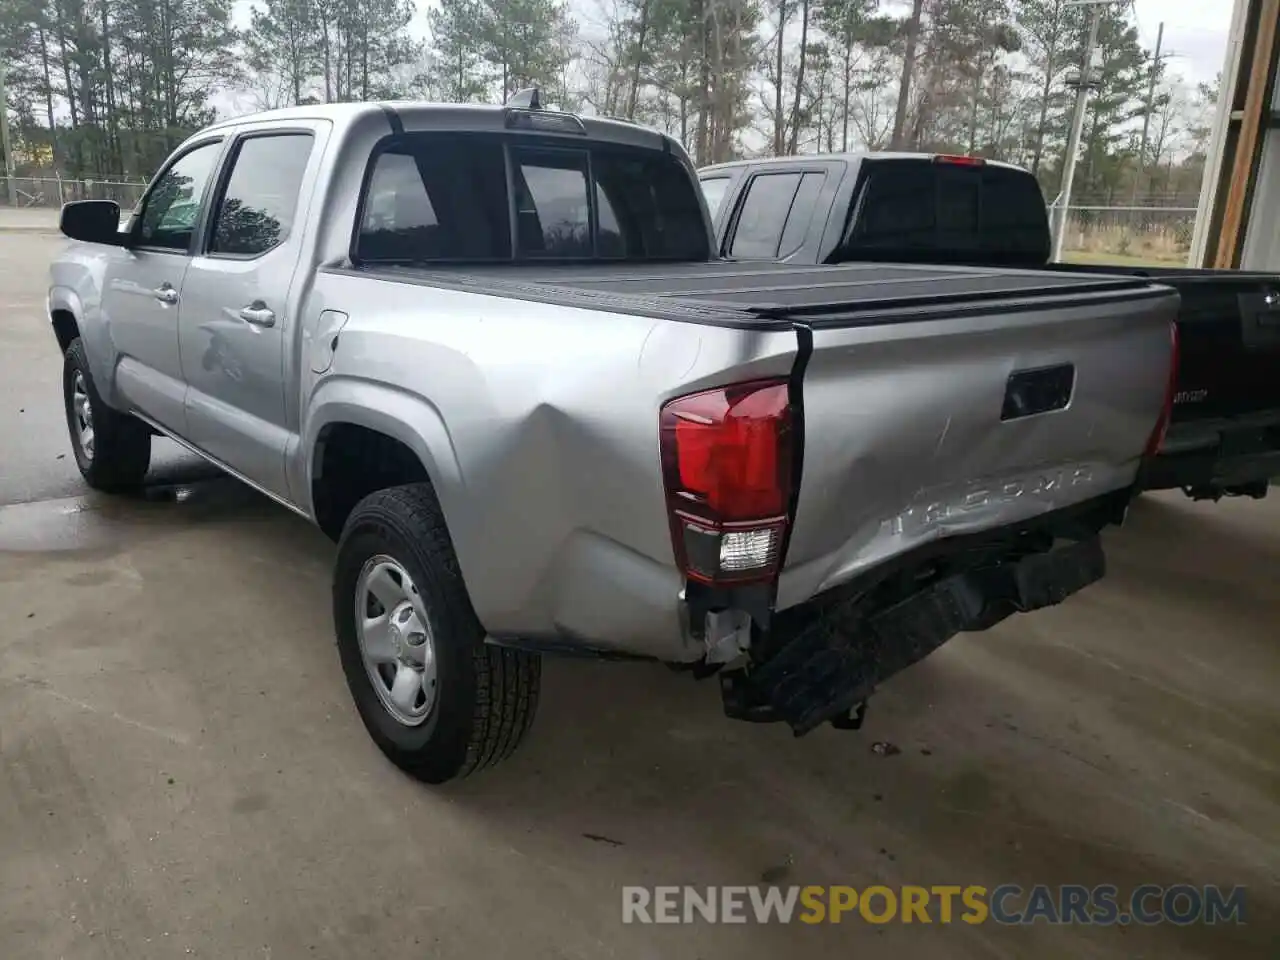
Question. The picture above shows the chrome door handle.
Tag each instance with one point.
(165, 293)
(259, 315)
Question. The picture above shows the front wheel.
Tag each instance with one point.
(435, 698)
(112, 449)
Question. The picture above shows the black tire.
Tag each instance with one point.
(486, 696)
(121, 451)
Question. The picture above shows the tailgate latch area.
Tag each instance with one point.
(830, 666)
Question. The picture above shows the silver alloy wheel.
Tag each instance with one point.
(395, 640)
(83, 411)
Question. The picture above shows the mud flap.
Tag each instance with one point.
(836, 662)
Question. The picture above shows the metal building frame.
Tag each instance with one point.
(1238, 221)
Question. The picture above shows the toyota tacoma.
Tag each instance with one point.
(491, 352)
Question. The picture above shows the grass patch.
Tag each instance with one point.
(1122, 259)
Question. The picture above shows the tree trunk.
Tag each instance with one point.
(973, 104)
(727, 80)
(48, 91)
(779, 127)
(684, 102)
(848, 79)
(804, 55)
(326, 48)
(904, 85)
(704, 89)
(1045, 88)
(637, 57)
(364, 63)
(115, 158)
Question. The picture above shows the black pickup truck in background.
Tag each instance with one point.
(1224, 438)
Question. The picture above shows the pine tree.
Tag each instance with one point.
(458, 72)
(526, 43)
(283, 46)
(1052, 34)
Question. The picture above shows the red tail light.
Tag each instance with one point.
(1171, 387)
(726, 465)
(959, 160)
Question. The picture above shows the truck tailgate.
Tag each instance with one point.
(950, 419)
(1229, 323)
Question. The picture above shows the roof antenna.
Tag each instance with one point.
(527, 99)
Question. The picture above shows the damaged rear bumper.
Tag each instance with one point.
(825, 661)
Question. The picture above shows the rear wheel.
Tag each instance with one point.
(112, 449)
(435, 698)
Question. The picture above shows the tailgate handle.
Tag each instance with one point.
(1042, 390)
(1269, 310)
(1262, 308)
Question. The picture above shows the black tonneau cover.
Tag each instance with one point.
(759, 292)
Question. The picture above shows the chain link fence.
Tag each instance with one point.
(52, 192)
(1156, 234)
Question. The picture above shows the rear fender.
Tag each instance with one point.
(403, 416)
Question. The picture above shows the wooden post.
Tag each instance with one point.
(1227, 253)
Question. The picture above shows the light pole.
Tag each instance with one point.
(1086, 81)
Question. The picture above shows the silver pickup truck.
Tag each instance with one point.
(490, 352)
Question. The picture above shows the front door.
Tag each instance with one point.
(142, 289)
(238, 319)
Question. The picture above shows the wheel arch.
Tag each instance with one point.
(394, 437)
(70, 318)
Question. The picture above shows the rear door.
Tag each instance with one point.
(240, 302)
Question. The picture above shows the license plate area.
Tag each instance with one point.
(836, 662)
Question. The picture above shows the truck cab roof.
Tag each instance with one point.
(847, 157)
(421, 116)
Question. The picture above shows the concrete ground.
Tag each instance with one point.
(182, 773)
(24, 219)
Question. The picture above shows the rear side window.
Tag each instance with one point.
(801, 215)
(260, 201)
(437, 198)
(943, 212)
(763, 215)
(775, 215)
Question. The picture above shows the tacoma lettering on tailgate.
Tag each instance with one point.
(988, 497)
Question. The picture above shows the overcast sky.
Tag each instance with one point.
(1195, 34)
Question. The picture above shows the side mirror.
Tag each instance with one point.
(92, 221)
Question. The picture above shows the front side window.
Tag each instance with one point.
(172, 207)
(257, 208)
(713, 190)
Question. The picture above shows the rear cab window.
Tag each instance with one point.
(438, 198)
(939, 211)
